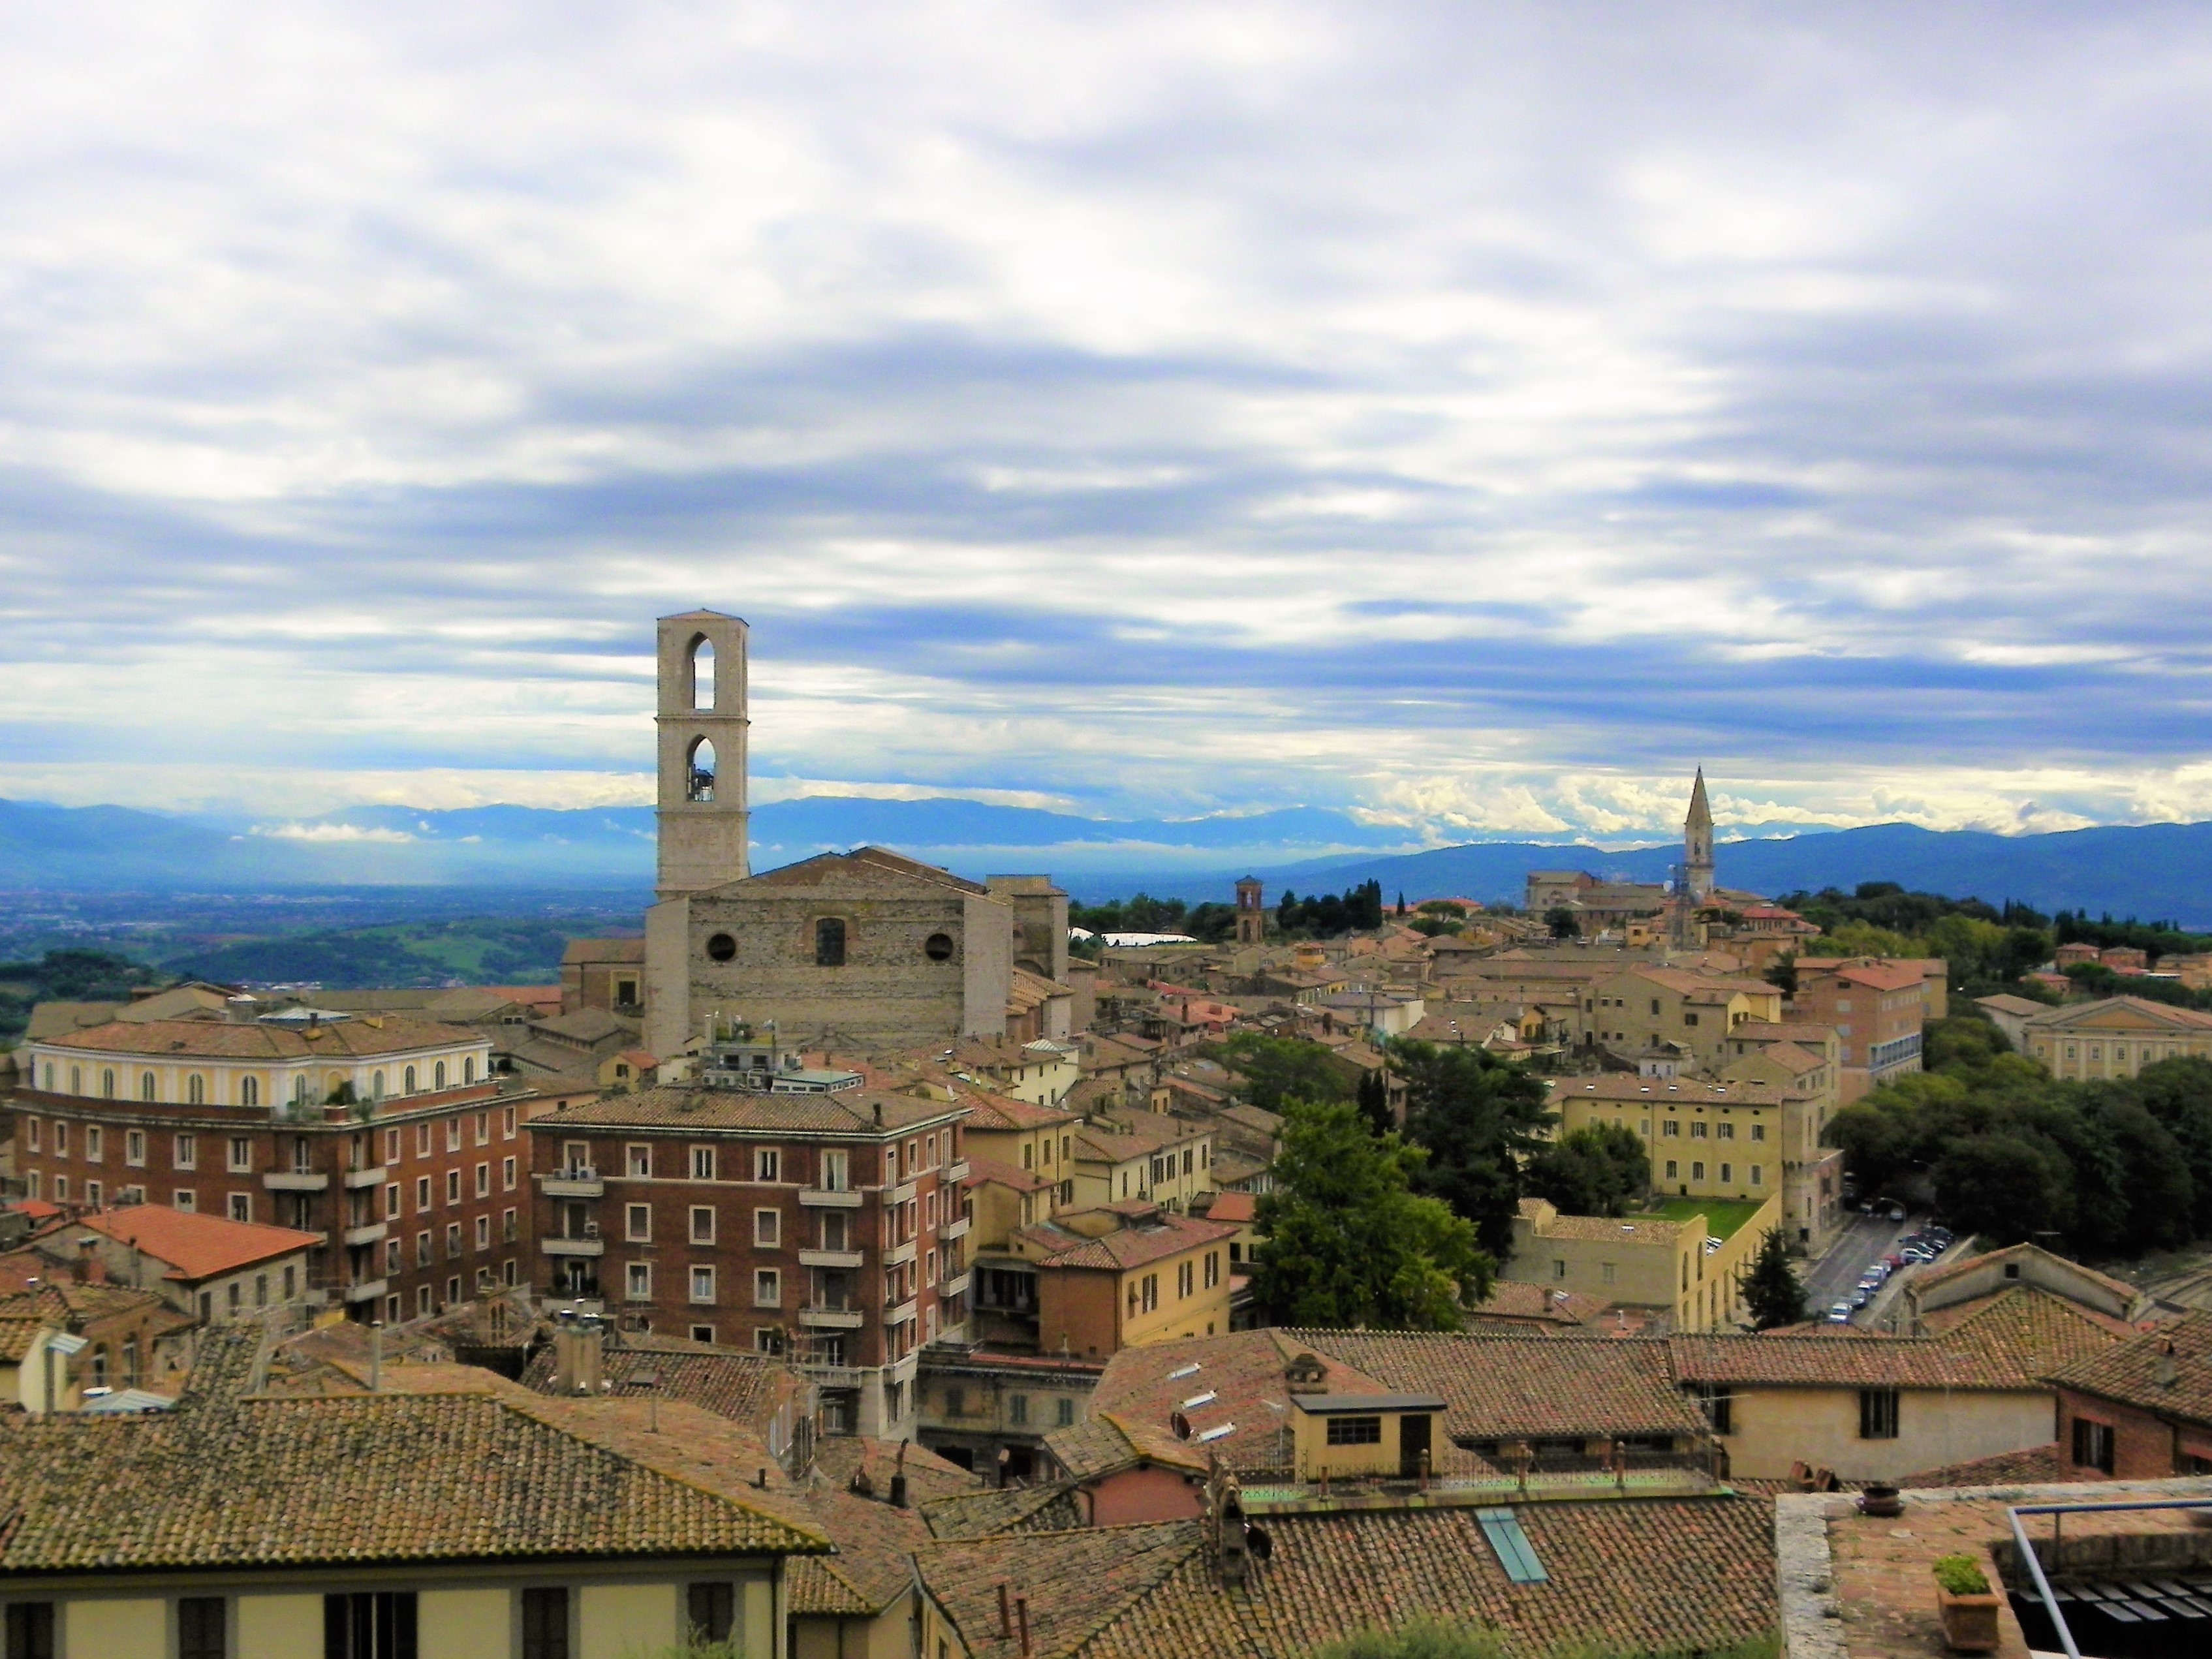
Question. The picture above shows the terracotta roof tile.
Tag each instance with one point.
(197, 1246)
(215, 1039)
(1049, 1508)
(2037, 1465)
(693, 1107)
(2133, 1372)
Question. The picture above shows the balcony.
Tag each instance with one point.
(956, 1285)
(832, 1319)
(370, 1175)
(296, 1180)
(559, 1246)
(910, 1309)
(364, 1290)
(369, 1232)
(829, 1198)
(899, 1254)
(831, 1376)
(956, 1228)
(830, 1259)
(957, 1172)
(574, 1183)
(902, 1194)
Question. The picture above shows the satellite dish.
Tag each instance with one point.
(1181, 1425)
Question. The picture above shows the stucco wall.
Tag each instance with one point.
(1773, 1428)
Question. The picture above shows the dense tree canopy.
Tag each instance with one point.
(1277, 1070)
(1346, 1240)
(1602, 1170)
(2107, 1170)
(1481, 1119)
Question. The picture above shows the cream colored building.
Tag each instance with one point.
(1665, 1266)
(1646, 1008)
(1704, 1140)
(2115, 1037)
(1168, 1161)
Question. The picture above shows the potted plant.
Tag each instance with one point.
(1966, 1606)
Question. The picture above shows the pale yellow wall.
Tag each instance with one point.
(1203, 1312)
(757, 1617)
(884, 1637)
(278, 1626)
(1774, 1428)
(1310, 1438)
(617, 1619)
(1743, 1153)
(465, 1624)
(2119, 1050)
(117, 1628)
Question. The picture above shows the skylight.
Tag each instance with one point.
(1190, 1370)
(1198, 1400)
(1515, 1552)
(1224, 1431)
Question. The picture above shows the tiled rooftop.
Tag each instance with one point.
(2168, 1372)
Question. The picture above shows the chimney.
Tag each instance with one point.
(1005, 1614)
(1021, 1618)
(92, 1268)
(2166, 1372)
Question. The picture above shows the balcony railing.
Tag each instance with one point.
(831, 1258)
(556, 1245)
(956, 1285)
(899, 1254)
(905, 1310)
(955, 1173)
(829, 1198)
(832, 1319)
(574, 1183)
(364, 1290)
(369, 1232)
(368, 1174)
(296, 1181)
(954, 1229)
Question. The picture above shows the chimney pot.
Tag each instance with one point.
(1022, 1618)
(1005, 1614)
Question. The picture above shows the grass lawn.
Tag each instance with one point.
(1723, 1215)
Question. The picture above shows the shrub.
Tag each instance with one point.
(1961, 1577)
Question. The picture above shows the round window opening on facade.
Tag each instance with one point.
(721, 947)
(939, 947)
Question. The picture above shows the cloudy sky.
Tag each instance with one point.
(1473, 415)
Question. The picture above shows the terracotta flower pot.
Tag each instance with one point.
(1970, 1622)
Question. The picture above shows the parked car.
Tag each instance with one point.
(1860, 1297)
(1892, 1261)
(1916, 1256)
(1840, 1314)
(1896, 1212)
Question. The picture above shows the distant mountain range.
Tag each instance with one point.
(2152, 871)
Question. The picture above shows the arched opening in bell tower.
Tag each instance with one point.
(699, 771)
(702, 673)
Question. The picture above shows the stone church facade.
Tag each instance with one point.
(867, 949)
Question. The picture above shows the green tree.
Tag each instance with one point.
(1374, 1102)
(1598, 1170)
(1772, 1289)
(1348, 1241)
(2005, 1188)
(2178, 1094)
(1563, 922)
(1481, 1119)
(1280, 1069)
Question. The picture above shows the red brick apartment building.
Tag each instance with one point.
(385, 1138)
(2141, 1410)
(1877, 1008)
(790, 1211)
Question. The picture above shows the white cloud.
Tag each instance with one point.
(332, 833)
(1474, 417)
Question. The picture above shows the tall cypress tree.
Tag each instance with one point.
(1771, 1290)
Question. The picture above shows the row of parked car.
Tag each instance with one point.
(1925, 1245)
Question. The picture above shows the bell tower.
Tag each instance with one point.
(702, 817)
(1698, 844)
(1251, 913)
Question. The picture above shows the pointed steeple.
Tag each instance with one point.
(1698, 844)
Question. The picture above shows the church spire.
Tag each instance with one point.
(1698, 844)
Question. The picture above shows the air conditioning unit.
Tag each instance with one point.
(590, 1229)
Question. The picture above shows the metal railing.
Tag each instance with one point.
(2058, 1512)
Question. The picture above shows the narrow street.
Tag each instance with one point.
(1833, 1278)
